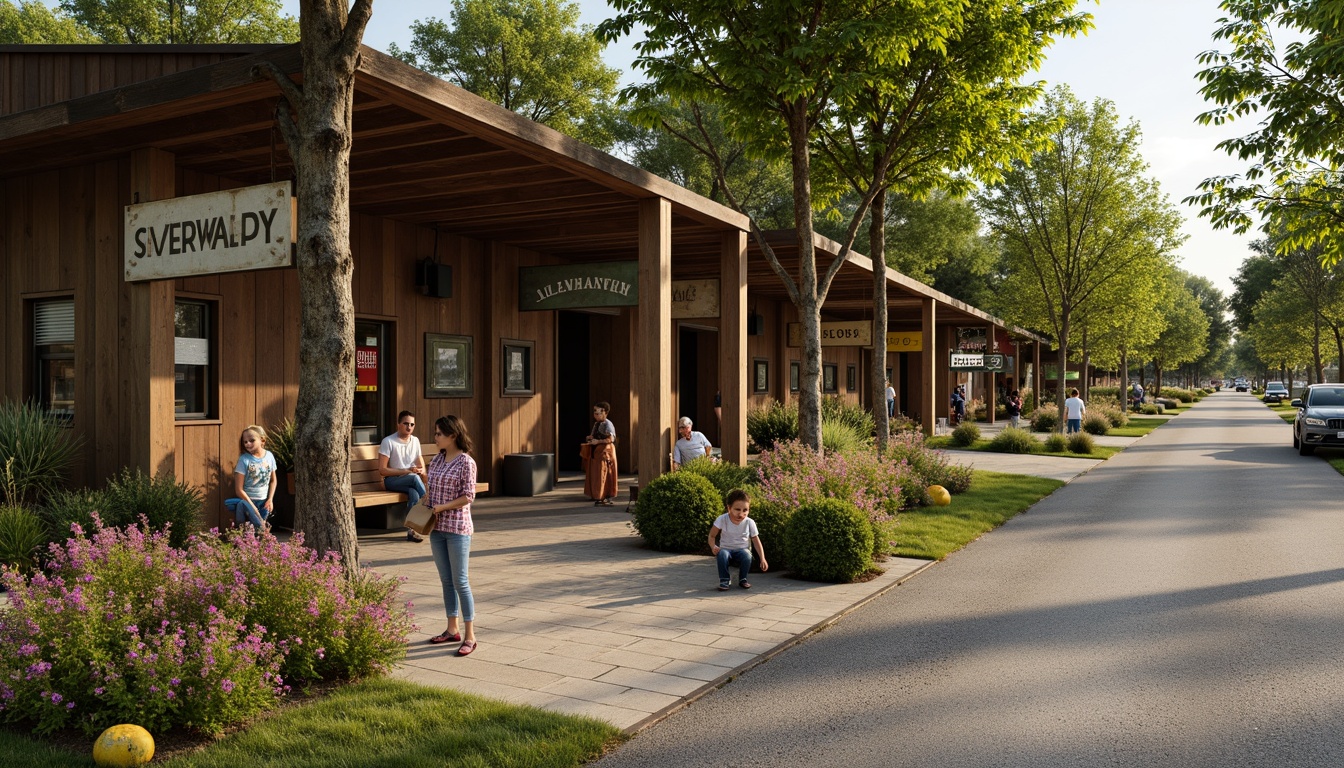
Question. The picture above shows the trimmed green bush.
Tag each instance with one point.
(723, 475)
(829, 540)
(1096, 423)
(1097, 393)
(1055, 443)
(22, 535)
(1113, 413)
(36, 449)
(772, 423)
(676, 511)
(1151, 409)
(164, 503)
(1013, 440)
(772, 519)
(1081, 442)
(965, 434)
(1045, 419)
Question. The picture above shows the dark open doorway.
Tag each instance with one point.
(698, 379)
(572, 355)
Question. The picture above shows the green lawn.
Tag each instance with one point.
(1138, 426)
(378, 722)
(933, 533)
(1101, 452)
(1286, 412)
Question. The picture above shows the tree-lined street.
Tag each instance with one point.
(1178, 605)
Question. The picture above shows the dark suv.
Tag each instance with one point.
(1275, 392)
(1320, 418)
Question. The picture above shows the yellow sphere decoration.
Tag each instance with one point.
(122, 746)
(939, 496)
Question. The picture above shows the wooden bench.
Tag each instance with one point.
(385, 509)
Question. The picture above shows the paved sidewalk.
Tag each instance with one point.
(575, 615)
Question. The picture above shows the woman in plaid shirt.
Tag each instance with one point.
(452, 487)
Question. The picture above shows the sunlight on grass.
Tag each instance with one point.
(394, 723)
(932, 533)
(1100, 452)
(378, 722)
(1138, 426)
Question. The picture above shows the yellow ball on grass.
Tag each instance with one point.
(939, 496)
(122, 746)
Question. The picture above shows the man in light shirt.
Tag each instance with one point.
(690, 444)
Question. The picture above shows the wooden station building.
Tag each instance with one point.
(504, 272)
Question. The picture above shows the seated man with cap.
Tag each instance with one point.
(690, 444)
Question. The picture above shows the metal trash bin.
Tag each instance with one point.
(528, 474)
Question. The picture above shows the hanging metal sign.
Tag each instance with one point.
(905, 341)
(975, 361)
(579, 286)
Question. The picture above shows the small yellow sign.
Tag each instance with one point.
(856, 334)
(905, 341)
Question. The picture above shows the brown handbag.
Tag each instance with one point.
(422, 516)
(586, 451)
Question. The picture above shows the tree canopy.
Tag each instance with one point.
(32, 22)
(529, 56)
(201, 21)
(1081, 217)
(1293, 91)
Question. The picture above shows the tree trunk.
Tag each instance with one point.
(318, 136)
(877, 377)
(1339, 350)
(1061, 372)
(1086, 376)
(809, 308)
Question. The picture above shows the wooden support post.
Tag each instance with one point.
(928, 407)
(733, 347)
(147, 392)
(653, 374)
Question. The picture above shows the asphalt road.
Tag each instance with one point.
(1180, 605)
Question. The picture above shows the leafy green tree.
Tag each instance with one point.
(1214, 306)
(529, 56)
(1080, 217)
(140, 22)
(1185, 331)
(315, 118)
(1282, 334)
(32, 22)
(785, 76)
(679, 150)
(1123, 320)
(1295, 95)
(1256, 276)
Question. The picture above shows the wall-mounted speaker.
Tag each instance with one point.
(434, 279)
(755, 325)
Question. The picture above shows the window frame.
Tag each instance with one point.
(210, 320)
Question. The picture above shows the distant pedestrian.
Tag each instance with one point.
(1014, 407)
(891, 400)
(736, 534)
(600, 469)
(1138, 395)
(958, 404)
(1073, 412)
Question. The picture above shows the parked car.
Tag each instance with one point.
(1320, 418)
(1275, 392)
(1243, 385)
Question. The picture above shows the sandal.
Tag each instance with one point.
(607, 503)
(466, 648)
(445, 637)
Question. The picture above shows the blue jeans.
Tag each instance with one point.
(250, 510)
(1075, 425)
(891, 408)
(411, 485)
(451, 552)
(726, 557)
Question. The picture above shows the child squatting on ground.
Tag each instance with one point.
(734, 530)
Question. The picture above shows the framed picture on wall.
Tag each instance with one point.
(760, 375)
(852, 378)
(793, 375)
(448, 365)
(516, 374)
(830, 373)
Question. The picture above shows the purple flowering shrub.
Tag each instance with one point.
(793, 475)
(930, 467)
(121, 627)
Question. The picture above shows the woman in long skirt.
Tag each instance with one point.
(600, 470)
